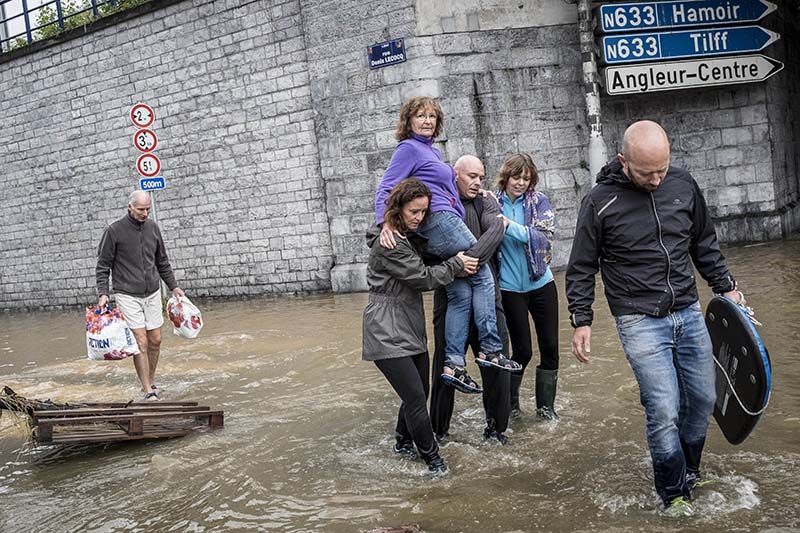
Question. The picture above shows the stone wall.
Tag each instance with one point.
(783, 95)
(274, 133)
(244, 209)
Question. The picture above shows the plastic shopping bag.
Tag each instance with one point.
(185, 317)
(108, 337)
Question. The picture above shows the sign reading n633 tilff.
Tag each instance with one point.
(687, 74)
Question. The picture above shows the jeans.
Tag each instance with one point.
(671, 358)
(447, 235)
(408, 376)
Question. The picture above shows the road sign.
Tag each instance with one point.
(148, 165)
(688, 43)
(145, 140)
(142, 115)
(709, 72)
(641, 16)
(385, 54)
(152, 184)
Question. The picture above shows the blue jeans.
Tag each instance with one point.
(671, 358)
(447, 235)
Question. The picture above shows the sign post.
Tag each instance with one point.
(715, 42)
(148, 165)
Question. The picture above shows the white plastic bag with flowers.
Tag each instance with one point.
(108, 337)
(185, 317)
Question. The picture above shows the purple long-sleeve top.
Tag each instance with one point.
(418, 158)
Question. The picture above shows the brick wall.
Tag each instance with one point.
(244, 209)
(783, 111)
(274, 133)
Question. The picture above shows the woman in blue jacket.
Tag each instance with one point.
(526, 282)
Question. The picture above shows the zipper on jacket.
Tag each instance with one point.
(661, 242)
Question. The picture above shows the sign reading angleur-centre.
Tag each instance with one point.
(686, 74)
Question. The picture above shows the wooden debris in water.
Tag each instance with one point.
(91, 423)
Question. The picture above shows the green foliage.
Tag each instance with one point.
(75, 13)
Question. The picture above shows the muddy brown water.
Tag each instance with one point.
(306, 442)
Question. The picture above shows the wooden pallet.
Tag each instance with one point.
(93, 423)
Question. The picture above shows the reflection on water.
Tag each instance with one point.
(308, 431)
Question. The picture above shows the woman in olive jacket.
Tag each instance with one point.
(394, 320)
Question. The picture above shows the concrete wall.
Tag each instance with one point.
(783, 110)
(274, 133)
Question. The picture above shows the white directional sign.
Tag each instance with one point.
(142, 115)
(148, 165)
(145, 140)
(687, 74)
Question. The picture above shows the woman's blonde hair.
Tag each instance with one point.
(410, 108)
(515, 165)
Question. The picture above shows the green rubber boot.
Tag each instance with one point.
(546, 384)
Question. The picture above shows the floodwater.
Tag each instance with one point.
(308, 429)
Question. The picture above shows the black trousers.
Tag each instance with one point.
(408, 376)
(542, 304)
(496, 383)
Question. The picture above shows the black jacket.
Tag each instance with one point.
(133, 253)
(644, 245)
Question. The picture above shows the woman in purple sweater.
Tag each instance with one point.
(421, 120)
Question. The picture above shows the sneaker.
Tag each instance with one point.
(489, 433)
(548, 413)
(443, 438)
(436, 465)
(405, 449)
(680, 506)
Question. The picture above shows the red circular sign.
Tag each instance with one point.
(145, 140)
(148, 165)
(142, 115)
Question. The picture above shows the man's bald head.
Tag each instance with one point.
(139, 205)
(645, 154)
(469, 174)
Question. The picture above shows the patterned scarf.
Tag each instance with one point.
(540, 221)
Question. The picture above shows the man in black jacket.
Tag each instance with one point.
(132, 251)
(481, 217)
(643, 226)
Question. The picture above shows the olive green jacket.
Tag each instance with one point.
(394, 319)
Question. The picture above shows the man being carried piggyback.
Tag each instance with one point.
(132, 251)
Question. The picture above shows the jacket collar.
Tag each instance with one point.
(133, 221)
(422, 138)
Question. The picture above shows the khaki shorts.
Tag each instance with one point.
(141, 312)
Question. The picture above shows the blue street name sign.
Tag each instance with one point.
(652, 15)
(385, 54)
(688, 43)
(152, 184)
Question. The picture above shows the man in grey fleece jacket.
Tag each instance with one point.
(132, 251)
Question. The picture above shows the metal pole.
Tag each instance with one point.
(598, 152)
(164, 289)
